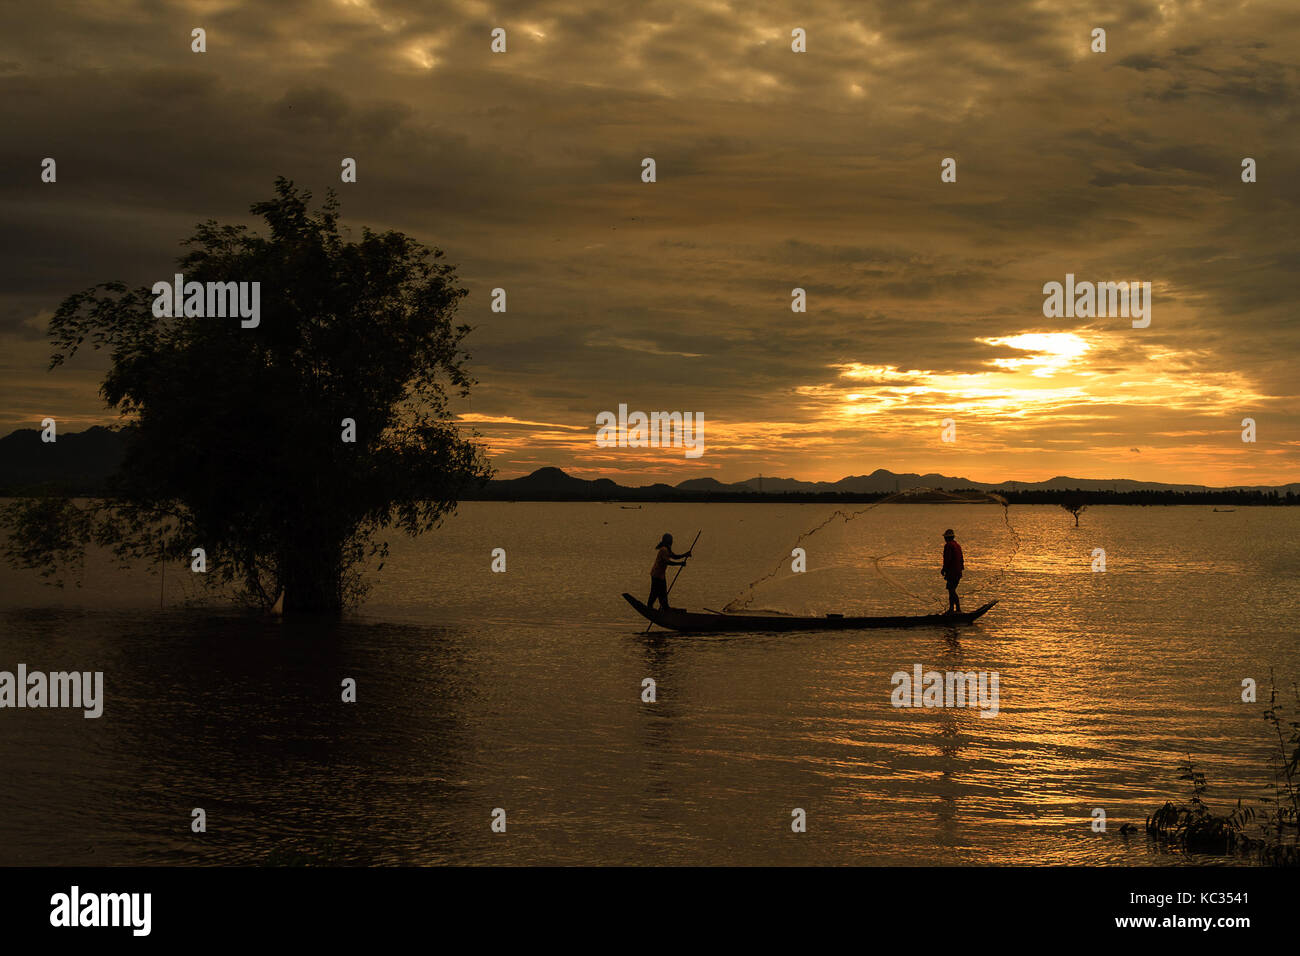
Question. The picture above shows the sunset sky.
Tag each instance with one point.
(776, 170)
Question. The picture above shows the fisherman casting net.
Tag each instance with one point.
(883, 558)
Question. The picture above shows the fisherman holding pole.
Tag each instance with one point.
(665, 558)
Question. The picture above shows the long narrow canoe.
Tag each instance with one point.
(677, 620)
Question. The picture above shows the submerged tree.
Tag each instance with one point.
(1076, 507)
(235, 437)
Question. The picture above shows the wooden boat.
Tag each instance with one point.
(692, 621)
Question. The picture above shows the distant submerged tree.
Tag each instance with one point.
(1076, 507)
(236, 437)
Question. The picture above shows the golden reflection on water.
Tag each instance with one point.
(524, 691)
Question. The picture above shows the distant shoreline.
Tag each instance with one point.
(83, 464)
(1220, 499)
(1090, 498)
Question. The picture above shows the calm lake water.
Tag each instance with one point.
(522, 690)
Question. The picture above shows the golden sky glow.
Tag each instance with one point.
(775, 170)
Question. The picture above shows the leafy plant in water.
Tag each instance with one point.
(1275, 838)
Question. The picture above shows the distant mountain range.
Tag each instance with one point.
(554, 484)
(77, 463)
(80, 462)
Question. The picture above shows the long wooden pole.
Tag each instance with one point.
(677, 575)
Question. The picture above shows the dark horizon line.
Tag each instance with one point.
(567, 485)
(550, 482)
(555, 472)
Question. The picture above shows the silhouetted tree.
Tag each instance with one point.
(1076, 507)
(235, 444)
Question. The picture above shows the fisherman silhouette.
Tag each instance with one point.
(953, 565)
(665, 558)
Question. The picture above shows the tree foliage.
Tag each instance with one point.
(1076, 507)
(235, 433)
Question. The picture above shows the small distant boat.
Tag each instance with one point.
(1224, 511)
(630, 507)
(693, 622)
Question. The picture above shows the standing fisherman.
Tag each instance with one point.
(665, 558)
(953, 565)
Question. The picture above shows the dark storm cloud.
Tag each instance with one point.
(1140, 61)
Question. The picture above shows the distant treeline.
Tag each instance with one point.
(1220, 498)
(1037, 497)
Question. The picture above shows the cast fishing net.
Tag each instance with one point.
(883, 558)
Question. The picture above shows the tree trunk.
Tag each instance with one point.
(312, 578)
